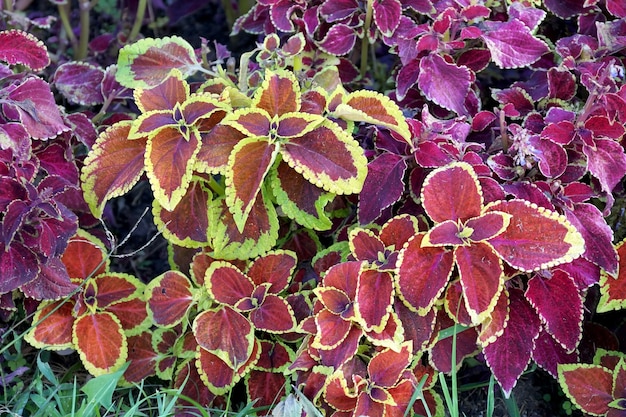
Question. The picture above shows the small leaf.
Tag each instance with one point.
(19, 47)
(101, 342)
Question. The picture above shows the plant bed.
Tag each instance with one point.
(381, 208)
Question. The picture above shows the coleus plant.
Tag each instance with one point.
(97, 319)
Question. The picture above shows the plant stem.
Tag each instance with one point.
(365, 39)
(141, 12)
(8, 5)
(84, 9)
(64, 14)
(230, 13)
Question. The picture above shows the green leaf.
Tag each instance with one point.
(100, 389)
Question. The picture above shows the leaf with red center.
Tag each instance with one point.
(227, 284)
(151, 123)
(487, 225)
(132, 314)
(536, 238)
(218, 375)
(444, 83)
(275, 268)
(387, 15)
(84, 256)
(188, 224)
(493, 326)
(225, 333)
(454, 303)
(548, 353)
(398, 230)
(147, 62)
(598, 235)
(613, 289)
(511, 44)
(559, 304)
(373, 108)
(383, 186)
(275, 356)
(332, 330)
(417, 329)
(142, 357)
(509, 355)
(279, 93)
(274, 315)
(588, 386)
(259, 234)
(339, 40)
(386, 367)
(446, 233)
(344, 276)
(113, 287)
(113, 166)
(440, 353)
(80, 82)
(336, 301)
(482, 278)
(329, 158)
(263, 387)
(169, 297)
(101, 342)
(365, 245)
(452, 192)
(216, 148)
(372, 403)
(251, 122)
(344, 352)
(250, 161)
(338, 395)
(19, 47)
(52, 325)
(165, 95)
(422, 274)
(32, 103)
(299, 199)
(374, 298)
(607, 162)
(169, 161)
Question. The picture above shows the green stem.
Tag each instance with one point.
(64, 14)
(83, 42)
(8, 5)
(365, 40)
(230, 13)
(141, 12)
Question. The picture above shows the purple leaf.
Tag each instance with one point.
(512, 45)
(548, 353)
(339, 40)
(444, 83)
(383, 186)
(19, 265)
(80, 82)
(387, 15)
(406, 78)
(606, 162)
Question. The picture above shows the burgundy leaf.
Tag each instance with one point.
(80, 82)
(510, 353)
(607, 162)
(18, 47)
(383, 186)
(549, 353)
(512, 45)
(339, 40)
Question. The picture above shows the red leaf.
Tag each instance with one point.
(386, 367)
(383, 186)
(274, 315)
(332, 330)
(113, 167)
(100, 341)
(418, 329)
(441, 350)
(510, 353)
(142, 357)
(279, 94)
(132, 315)
(560, 306)
(422, 274)
(18, 47)
(227, 284)
(607, 162)
(165, 95)
(275, 268)
(19, 265)
(52, 325)
(452, 193)
(588, 386)
(374, 298)
(481, 277)
(264, 387)
(536, 238)
(225, 333)
(549, 353)
(51, 283)
(169, 298)
(114, 287)
(365, 245)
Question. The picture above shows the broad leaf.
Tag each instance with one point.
(383, 186)
(101, 342)
(226, 284)
(147, 62)
(588, 386)
(612, 289)
(113, 166)
(52, 326)
(169, 297)
(225, 333)
(80, 82)
(374, 298)
(444, 83)
(512, 45)
(19, 47)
